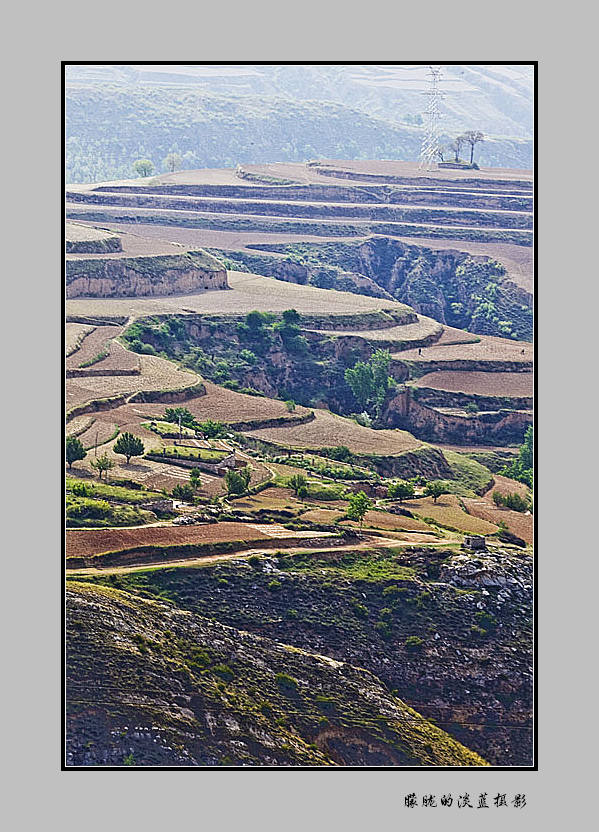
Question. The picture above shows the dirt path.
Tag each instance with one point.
(370, 543)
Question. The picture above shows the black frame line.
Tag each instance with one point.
(535, 766)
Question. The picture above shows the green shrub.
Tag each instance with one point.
(384, 629)
(199, 658)
(224, 671)
(274, 586)
(413, 644)
(287, 684)
(360, 610)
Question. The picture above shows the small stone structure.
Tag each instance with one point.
(475, 542)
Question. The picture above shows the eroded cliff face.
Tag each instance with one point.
(129, 278)
(495, 427)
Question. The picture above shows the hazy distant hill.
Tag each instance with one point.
(223, 115)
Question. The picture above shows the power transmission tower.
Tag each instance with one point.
(429, 151)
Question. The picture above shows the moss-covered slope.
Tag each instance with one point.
(148, 684)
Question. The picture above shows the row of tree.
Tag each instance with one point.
(127, 445)
(471, 137)
(145, 167)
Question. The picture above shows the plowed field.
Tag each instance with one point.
(248, 292)
(330, 430)
(156, 374)
(489, 348)
(483, 384)
(87, 542)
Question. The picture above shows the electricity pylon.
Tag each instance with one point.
(429, 151)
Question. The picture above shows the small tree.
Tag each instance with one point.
(473, 137)
(129, 446)
(173, 414)
(238, 481)
(102, 465)
(360, 379)
(143, 167)
(400, 490)
(173, 162)
(497, 498)
(195, 478)
(457, 145)
(435, 488)
(297, 482)
(302, 492)
(212, 429)
(74, 450)
(359, 504)
(183, 492)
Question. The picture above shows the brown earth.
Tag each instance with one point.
(87, 542)
(331, 430)
(519, 524)
(248, 292)
(156, 374)
(489, 348)
(484, 384)
(93, 344)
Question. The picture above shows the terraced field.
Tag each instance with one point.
(86, 542)
(487, 349)
(484, 384)
(155, 374)
(329, 430)
(395, 337)
(447, 511)
(74, 335)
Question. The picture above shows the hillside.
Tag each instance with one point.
(153, 685)
(320, 549)
(252, 115)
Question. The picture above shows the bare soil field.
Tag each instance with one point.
(93, 344)
(219, 404)
(233, 240)
(156, 374)
(275, 499)
(74, 334)
(448, 512)
(86, 542)
(489, 348)
(383, 520)
(451, 335)
(248, 292)
(382, 167)
(76, 233)
(484, 384)
(506, 485)
(97, 434)
(329, 430)
(134, 245)
(224, 405)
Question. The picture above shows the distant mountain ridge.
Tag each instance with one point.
(223, 115)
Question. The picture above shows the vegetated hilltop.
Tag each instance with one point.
(149, 684)
(116, 115)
